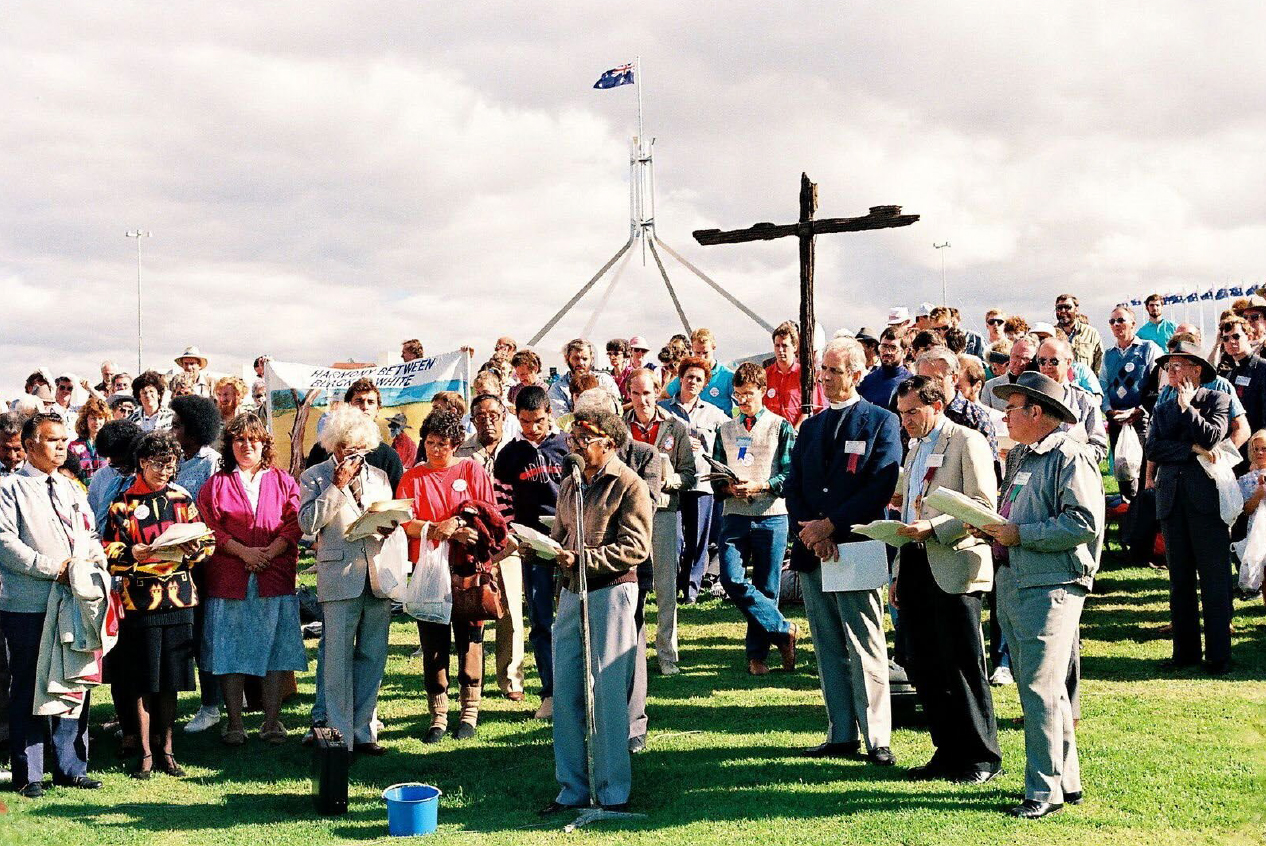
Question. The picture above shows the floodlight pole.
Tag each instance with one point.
(138, 234)
(939, 248)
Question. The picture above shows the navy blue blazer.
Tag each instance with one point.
(815, 490)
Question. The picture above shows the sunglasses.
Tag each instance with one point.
(1064, 307)
(1048, 362)
(995, 322)
(1115, 320)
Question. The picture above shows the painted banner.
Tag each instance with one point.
(300, 394)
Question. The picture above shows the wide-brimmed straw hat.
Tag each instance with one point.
(192, 352)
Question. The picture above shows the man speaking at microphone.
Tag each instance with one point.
(617, 537)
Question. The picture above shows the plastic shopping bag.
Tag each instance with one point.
(429, 595)
(1252, 554)
(1127, 457)
(1222, 472)
(389, 569)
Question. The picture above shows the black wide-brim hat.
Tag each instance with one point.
(1042, 390)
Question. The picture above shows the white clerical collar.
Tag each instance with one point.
(851, 401)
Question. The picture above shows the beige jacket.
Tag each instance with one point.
(959, 562)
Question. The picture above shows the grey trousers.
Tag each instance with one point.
(665, 555)
(355, 657)
(510, 628)
(613, 647)
(1040, 625)
(848, 641)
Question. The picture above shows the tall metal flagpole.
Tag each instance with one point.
(138, 234)
(940, 249)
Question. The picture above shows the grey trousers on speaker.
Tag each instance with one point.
(614, 647)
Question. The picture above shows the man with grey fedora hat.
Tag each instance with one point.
(1197, 541)
(1046, 554)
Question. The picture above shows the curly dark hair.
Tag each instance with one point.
(245, 425)
(445, 424)
(161, 446)
(200, 418)
(607, 421)
(149, 379)
(115, 442)
(694, 361)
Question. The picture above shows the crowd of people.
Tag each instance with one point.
(697, 479)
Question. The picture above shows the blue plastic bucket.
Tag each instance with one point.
(412, 809)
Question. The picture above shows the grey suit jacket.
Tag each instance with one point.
(678, 462)
(33, 540)
(344, 568)
(959, 562)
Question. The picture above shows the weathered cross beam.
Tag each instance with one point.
(880, 217)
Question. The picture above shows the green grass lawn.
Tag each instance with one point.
(1165, 759)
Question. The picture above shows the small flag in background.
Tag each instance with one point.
(1222, 294)
(1192, 297)
(1237, 291)
(623, 75)
(1136, 302)
(1207, 295)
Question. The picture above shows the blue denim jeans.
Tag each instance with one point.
(759, 542)
(538, 587)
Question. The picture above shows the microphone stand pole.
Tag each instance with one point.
(595, 812)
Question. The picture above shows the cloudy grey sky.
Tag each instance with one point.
(323, 180)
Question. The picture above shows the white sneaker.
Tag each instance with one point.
(203, 720)
(546, 711)
(668, 668)
(5, 776)
(417, 653)
(1001, 677)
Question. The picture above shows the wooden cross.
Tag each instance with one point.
(880, 217)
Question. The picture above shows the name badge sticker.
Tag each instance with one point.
(936, 460)
(855, 447)
(1022, 478)
(1243, 381)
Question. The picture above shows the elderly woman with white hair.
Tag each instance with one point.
(357, 614)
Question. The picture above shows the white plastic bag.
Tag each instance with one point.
(429, 595)
(389, 569)
(1252, 554)
(1127, 457)
(1222, 472)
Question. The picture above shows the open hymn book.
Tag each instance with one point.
(380, 515)
(166, 547)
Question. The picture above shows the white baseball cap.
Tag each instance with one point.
(898, 314)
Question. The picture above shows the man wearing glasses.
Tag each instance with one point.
(1126, 366)
(1254, 313)
(1082, 337)
(1186, 424)
(844, 469)
(1046, 554)
(756, 446)
(995, 319)
(1244, 369)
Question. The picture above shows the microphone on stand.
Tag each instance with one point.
(572, 465)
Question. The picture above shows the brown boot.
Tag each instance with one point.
(438, 705)
(470, 712)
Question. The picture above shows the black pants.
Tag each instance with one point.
(946, 663)
(1197, 548)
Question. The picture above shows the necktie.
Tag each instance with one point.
(357, 490)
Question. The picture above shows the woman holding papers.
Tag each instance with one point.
(154, 656)
(355, 609)
(439, 487)
(252, 619)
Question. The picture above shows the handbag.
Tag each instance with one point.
(479, 597)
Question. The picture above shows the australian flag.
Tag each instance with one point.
(1237, 291)
(1207, 295)
(623, 75)
(1192, 297)
(1136, 302)
(1170, 299)
(1223, 294)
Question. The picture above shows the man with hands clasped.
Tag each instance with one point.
(939, 582)
(843, 472)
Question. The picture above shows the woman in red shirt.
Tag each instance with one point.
(439, 486)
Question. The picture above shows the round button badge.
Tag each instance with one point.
(142, 511)
(459, 485)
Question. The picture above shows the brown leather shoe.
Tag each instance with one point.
(757, 667)
(788, 649)
(515, 695)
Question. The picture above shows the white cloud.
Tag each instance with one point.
(322, 181)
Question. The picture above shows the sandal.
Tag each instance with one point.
(171, 767)
(142, 772)
(233, 737)
(275, 736)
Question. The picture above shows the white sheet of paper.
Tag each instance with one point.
(862, 566)
(963, 507)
